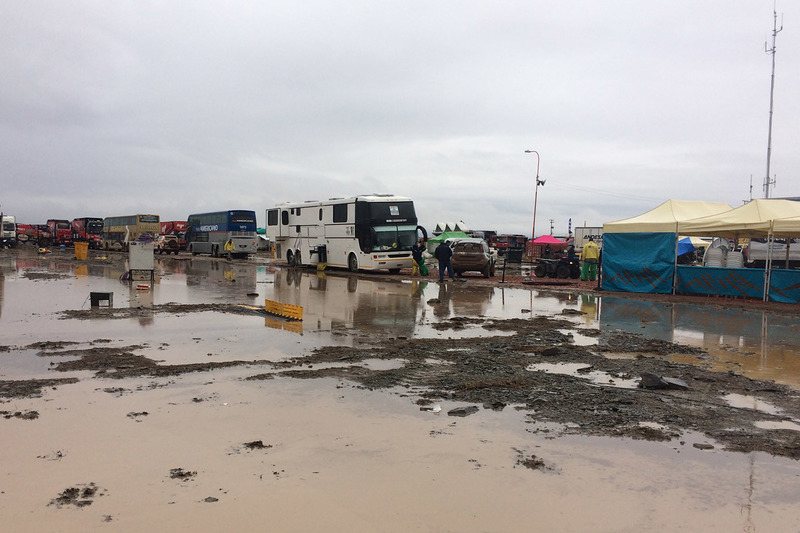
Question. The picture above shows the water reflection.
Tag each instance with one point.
(332, 303)
(757, 343)
(232, 279)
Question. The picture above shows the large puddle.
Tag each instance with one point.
(340, 309)
(341, 458)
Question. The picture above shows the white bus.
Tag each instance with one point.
(364, 232)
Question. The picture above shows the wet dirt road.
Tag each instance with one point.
(341, 423)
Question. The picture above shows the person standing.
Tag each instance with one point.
(229, 248)
(416, 256)
(443, 253)
(591, 254)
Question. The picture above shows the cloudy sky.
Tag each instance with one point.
(174, 107)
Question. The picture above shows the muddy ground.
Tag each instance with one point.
(492, 372)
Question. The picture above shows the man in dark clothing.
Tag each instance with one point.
(416, 256)
(443, 253)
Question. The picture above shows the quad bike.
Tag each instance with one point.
(558, 268)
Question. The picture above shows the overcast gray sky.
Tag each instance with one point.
(175, 107)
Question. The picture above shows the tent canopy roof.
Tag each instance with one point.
(753, 219)
(547, 239)
(448, 235)
(786, 227)
(665, 217)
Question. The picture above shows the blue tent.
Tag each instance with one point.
(685, 246)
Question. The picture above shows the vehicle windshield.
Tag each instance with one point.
(399, 237)
(95, 228)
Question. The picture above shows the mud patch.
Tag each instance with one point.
(121, 363)
(30, 387)
(115, 313)
(79, 496)
(22, 415)
(39, 276)
(181, 474)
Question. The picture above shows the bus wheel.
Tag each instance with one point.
(394, 271)
(352, 263)
(215, 251)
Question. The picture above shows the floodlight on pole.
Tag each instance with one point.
(536, 192)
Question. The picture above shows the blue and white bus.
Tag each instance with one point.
(207, 233)
(373, 232)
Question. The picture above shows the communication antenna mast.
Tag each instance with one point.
(771, 51)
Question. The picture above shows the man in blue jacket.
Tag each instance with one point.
(443, 253)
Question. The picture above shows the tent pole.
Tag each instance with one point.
(675, 264)
(768, 266)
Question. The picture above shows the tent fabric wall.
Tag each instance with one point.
(638, 262)
(784, 286)
(720, 281)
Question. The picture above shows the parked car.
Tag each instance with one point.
(167, 243)
(472, 255)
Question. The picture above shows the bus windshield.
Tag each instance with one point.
(396, 237)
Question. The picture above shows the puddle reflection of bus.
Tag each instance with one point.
(332, 303)
(237, 279)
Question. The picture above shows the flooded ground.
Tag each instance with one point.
(395, 405)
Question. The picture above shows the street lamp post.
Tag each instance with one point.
(535, 195)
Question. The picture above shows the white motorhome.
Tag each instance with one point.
(374, 232)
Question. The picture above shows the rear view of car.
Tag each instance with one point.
(472, 255)
(166, 244)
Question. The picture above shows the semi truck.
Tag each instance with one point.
(8, 230)
(88, 229)
(582, 235)
(60, 232)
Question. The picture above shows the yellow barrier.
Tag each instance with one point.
(294, 312)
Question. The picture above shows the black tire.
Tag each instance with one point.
(290, 258)
(540, 271)
(215, 251)
(574, 272)
(352, 263)
(298, 260)
(562, 271)
(394, 271)
(487, 271)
